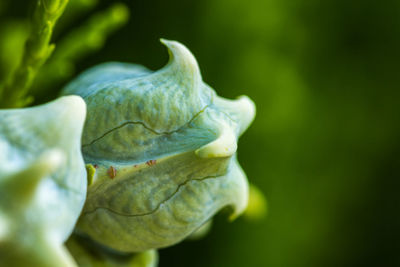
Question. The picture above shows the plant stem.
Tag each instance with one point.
(14, 93)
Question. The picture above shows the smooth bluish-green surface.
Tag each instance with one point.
(42, 181)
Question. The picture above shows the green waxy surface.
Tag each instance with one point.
(42, 181)
(164, 146)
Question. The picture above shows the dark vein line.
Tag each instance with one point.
(146, 127)
(158, 206)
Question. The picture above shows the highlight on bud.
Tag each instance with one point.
(23, 183)
(224, 146)
(42, 181)
(172, 143)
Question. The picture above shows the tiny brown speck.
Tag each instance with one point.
(112, 172)
(151, 162)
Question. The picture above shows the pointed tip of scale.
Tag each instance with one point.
(224, 146)
(23, 183)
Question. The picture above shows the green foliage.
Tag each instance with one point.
(33, 72)
(324, 147)
(85, 39)
(37, 49)
(14, 34)
(190, 131)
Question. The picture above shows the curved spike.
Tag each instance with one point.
(181, 62)
(242, 110)
(161, 102)
(247, 111)
(224, 146)
(23, 183)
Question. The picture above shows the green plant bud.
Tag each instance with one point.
(42, 181)
(164, 148)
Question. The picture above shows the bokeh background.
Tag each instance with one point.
(324, 147)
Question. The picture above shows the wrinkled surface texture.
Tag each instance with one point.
(164, 148)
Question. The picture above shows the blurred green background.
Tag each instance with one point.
(324, 147)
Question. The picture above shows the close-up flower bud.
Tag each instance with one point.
(164, 149)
